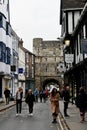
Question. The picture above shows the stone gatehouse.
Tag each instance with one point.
(49, 63)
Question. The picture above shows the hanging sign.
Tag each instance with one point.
(69, 58)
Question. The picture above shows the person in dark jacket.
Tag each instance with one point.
(66, 98)
(30, 99)
(7, 95)
(81, 103)
(19, 95)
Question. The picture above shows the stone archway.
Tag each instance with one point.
(50, 81)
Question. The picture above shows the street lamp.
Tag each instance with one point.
(67, 42)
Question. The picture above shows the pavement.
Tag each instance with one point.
(66, 123)
(72, 122)
(3, 105)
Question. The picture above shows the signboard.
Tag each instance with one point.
(20, 70)
(69, 58)
(84, 46)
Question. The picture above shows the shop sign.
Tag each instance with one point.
(69, 58)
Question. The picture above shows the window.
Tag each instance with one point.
(2, 52)
(2, 21)
(8, 29)
(8, 55)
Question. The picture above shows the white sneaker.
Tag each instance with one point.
(31, 114)
(17, 114)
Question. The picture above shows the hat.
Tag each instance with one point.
(52, 87)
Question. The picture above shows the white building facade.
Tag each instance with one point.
(14, 62)
(5, 47)
(21, 67)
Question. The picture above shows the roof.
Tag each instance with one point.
(70, 4)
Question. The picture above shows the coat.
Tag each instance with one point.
(54, 103)
(30, 99)
(81, 101)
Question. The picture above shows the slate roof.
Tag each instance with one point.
(70, 4)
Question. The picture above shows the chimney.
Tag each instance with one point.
(21, 42)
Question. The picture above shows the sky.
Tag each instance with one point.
(35, 19)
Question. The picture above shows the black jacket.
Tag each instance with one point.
(66, 95)
(30, 99)
(81, 100)
(7, 93)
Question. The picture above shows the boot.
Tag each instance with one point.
(54, 121)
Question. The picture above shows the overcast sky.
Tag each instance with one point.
(35, 19)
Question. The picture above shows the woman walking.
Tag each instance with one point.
(54, 100)
(30, 99)
(81, 103)
(19, 95)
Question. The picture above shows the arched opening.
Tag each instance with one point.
(48, 82)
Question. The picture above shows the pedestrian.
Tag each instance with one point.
(44, 95)
(36, 94)
(54, 100)
(81, 103)
(30, 99)
(19, 96)
(66, 98)
(7, 95)
(41, 95)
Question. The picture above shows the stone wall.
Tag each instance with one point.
(48, 55)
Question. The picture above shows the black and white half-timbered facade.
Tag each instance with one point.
(73, 20)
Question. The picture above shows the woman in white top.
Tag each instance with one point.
(19, 95)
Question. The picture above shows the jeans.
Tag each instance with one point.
(30, 108)
(18, 106)
(7, 100)
(65, 108)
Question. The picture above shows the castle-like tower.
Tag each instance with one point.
(48, 62)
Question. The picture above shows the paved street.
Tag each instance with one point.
(41, 120)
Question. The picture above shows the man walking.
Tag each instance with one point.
(7, 95)
(66, 97)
